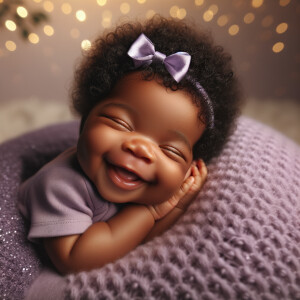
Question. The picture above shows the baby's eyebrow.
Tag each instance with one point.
(182, 137)
(121, 105)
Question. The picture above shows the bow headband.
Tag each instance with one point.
(142, 52)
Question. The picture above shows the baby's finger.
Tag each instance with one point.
(186, 186)
(199, 172)
(202, 168)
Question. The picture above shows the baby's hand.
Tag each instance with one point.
(189, 190)
(186, 193)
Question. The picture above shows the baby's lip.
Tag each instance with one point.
(128, 165)
(124, 178)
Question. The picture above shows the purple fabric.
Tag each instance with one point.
(239, 239)
(60, 200)
(20, 261)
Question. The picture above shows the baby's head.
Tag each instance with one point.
(135, 117)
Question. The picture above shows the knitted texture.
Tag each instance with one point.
(239, 239)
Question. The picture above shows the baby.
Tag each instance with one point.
(156, 100)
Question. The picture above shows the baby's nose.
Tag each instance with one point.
(140, 148)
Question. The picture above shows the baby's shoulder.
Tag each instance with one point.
(62, 169)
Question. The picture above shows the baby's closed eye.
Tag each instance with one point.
(117, 122)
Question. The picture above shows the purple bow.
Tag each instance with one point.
(142, 51)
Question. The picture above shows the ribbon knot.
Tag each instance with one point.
(142, 51)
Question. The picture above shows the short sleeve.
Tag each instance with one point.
(55, 202)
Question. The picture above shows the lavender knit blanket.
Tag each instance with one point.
(240, 239)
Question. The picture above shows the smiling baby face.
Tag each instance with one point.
(136, 145)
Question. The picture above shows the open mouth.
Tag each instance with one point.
(124, 178)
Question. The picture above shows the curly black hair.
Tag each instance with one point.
(107, 62)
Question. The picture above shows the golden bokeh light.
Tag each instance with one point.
(66, 8)
(173, 11)
(249, 18)
(106, 23)
(199, 2)
(86, 45)
(48, 30)
(181, 13)
(37, 1)
(222, 20)
(278, 47)
(106, 19)
(48, 6)
(10, 46)
(282, 27)
(10, 25)
(125, 8)
(33, 38)
(22, 12)
(177, 12)
(284, 2)
(233, 29)
(214, 8)
(80, 15)
(267, 21)
(141, 1)
(150, 13)
(75, 33)
(257, 3)
(208, 16)
(101, 2)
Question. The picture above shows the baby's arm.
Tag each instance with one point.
(104, 242)
(184, 197)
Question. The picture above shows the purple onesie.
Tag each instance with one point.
(60, 200)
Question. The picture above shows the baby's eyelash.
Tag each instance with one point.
(173, 151)
(119, 122)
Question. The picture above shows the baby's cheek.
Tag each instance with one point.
(173, 179)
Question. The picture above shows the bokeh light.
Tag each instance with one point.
(282, 27)
(22, 12)
(66, 8)
(106, 19)
(257, 3)
(284, 2)
(86, 45)
(33, 38)
(214, 8)
(278, 47)
(208, 16)
(233, 29)
(141, 1)
(10, 25)
(80, 15)
(48, 30)
(199, 2)
(125, 8)
(101, 2)
(48, 6)
(10, 46)
(150, 13)
(249, 18)
(222, 20)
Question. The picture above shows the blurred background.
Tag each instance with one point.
(42, 40)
